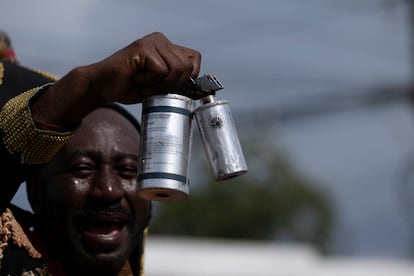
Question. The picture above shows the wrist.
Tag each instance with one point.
(22, 137)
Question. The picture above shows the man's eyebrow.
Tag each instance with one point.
(80, 153)
(121, 155)
(96, 154)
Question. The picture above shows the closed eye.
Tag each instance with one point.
(127, 172)
(82, 171)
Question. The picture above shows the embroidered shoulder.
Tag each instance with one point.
(11, 229)
(45, 74)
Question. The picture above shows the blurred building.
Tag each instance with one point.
(192, 257)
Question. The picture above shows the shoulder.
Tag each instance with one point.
(15, 79)
(17, 253)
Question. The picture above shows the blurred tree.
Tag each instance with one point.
(270, 202)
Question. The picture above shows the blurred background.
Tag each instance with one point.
(321, 93)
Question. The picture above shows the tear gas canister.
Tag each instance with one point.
(219, 138)
(165, 149)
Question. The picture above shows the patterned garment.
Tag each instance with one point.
(17, 254)
(21, 253)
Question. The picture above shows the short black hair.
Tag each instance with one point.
(125, 113)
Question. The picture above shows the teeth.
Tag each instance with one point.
(102, 227)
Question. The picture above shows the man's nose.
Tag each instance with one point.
(107, 185)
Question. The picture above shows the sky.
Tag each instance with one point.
(275, 58)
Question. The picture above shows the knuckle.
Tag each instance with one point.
(158, 34)
(181, 67)
(137, 45)
(197, 55)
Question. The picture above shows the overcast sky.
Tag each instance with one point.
(269, 55)
(274, 49)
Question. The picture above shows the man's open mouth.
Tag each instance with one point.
(103, 232)
(103, 226)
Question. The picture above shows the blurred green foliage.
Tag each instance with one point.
(271, 202)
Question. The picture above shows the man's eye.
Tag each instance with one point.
(127, 171)
(82, 170)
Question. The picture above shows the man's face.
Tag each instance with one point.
(86, 200)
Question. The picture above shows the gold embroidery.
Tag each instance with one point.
(45, 74)
(126, 270)
(10, 228)
(144, 240)
(39, 271)
(5, 231)
(20, 135)
(40, 72)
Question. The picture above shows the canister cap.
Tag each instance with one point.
(202, 87)
(162, 194)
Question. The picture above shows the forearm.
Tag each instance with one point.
(64, 104)
(23, 139)
(24, 145)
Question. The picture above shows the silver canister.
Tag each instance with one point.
(220, 140)
(166, 139)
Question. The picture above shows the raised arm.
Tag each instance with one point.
(36, 123)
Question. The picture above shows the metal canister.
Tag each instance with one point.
(165, 150)
(220, 140)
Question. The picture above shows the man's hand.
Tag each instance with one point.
(149, 66)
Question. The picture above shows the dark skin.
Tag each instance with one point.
(148, 66)
(87, 210)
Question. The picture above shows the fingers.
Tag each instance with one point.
(165, 66)
(194, 57)
(149, 66)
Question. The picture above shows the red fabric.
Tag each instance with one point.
(9, 54)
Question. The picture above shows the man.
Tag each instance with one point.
(79, 158)
(88, 214)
